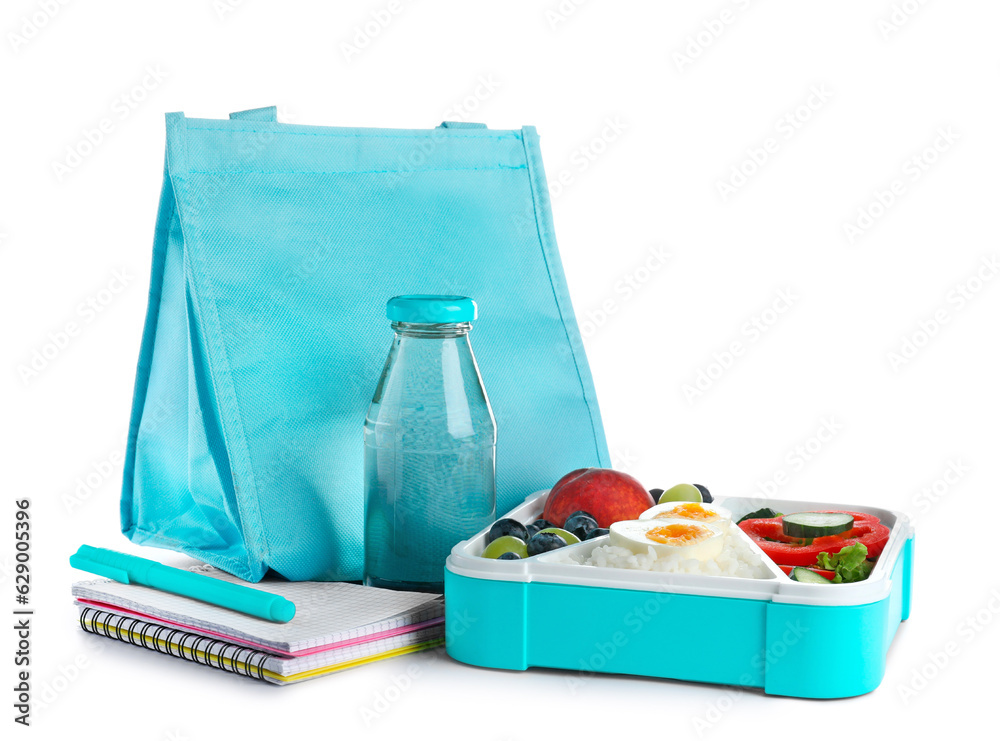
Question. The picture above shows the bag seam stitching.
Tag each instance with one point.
(416, 135)
(246, 505)
(543, 243)
(351, 172)
(254, 519)
(132, 443)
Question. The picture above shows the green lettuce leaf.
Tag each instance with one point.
(848, 565)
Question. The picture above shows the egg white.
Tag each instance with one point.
(666, 511)
(631, 534)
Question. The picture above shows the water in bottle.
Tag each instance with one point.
(430, 442)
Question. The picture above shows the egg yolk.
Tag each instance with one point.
(678, 534)
(690, 511)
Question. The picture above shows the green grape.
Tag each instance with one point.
(564, 534)
(506, 544)
(680, 493)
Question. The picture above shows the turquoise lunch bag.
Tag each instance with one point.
(276, 249)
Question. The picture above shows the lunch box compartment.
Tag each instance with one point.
(770, 633)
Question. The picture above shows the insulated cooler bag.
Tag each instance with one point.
(276, 249)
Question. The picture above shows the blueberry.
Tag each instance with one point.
(508, 556)
(541, 523)
(655, 493)
(543, 542)
(576, 514)
(705, 496)
(597, 532)
(580, 525)
(506, 527)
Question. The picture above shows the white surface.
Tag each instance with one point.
(664, 275)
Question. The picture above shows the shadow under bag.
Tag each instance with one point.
(276, 249)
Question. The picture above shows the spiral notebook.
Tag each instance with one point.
(336, 625)
(250, 662)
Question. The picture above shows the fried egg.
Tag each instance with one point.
(694, 511)
(669, 537)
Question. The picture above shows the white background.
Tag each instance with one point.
(693, 106)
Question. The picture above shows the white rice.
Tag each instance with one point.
(738, 558)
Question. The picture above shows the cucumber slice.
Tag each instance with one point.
(816, 524)
(804, 575)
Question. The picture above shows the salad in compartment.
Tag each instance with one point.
(823, 547)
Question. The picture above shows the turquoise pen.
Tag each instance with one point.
(134, 570)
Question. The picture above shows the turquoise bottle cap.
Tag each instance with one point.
(425, 309)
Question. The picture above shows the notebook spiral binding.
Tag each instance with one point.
(189, 646)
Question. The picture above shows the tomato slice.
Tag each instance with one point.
(769, 536)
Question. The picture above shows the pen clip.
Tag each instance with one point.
(94, 567)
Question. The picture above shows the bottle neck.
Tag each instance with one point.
(431, 331)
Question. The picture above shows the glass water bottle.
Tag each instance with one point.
(430, 446)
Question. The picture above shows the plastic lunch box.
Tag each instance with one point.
(789, 638)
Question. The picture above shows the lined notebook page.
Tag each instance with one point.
(325, 612)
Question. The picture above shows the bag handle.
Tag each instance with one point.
(257, 114)
(461, 125)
